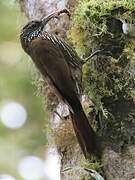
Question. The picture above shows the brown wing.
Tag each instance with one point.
(71, 57)
(69, 53)
(52, 64)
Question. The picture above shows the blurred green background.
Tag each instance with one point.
(16, 86)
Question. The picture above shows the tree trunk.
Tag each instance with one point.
(109, 83)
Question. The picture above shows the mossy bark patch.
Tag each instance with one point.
(109, 80)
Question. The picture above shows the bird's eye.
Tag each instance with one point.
(33, 25)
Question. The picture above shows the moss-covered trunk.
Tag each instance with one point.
(109, 82)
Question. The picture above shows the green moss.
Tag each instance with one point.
(97, 25)
(109, 81)
(90, 20)
(94, 164)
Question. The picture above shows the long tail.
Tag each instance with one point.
(85, 134)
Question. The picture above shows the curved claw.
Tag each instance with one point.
(102, 52)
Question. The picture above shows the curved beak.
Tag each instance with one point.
(46, 19)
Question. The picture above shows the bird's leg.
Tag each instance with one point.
(102, 51)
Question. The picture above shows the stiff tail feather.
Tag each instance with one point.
(85, 134)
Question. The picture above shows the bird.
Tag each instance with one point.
(55, 58)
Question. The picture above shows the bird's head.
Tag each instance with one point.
(34, 28)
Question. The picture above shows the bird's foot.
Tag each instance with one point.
(102, 52)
